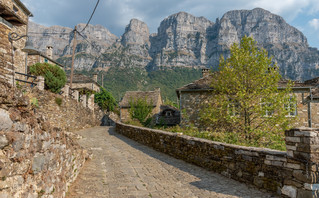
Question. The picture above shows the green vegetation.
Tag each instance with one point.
(34, 102)
(277, 141)
(58, 101)
(247, 105)
(54, 76)
(105, 100)
(119, 80)
(140, 110)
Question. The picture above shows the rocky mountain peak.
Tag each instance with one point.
(184, 21)
(136, 32)
(97, 33)
(264, 26)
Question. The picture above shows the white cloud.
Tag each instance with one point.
(289, 9)
(314, 23)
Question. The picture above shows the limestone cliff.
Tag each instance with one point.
(187, 41)
(180, 41)
(285, 43)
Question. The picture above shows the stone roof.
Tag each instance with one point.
(44, 56)
(204, 84)
(79, 78)
(28, 12)
(151, 97)
(168, 107)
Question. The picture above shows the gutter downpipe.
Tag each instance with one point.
(309, 109)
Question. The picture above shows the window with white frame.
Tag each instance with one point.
(291, 107)
(267, 109)
(233, 108)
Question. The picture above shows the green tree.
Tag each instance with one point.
(140, 109)
(246, 98)
(54, 76)
(105, 100)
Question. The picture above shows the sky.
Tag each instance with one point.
(116, 14)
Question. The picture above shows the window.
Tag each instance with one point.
(45, 60)
(233, 108)
(267, 109)
(291, 107)
(168, 114)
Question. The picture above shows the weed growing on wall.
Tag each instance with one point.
(58, 101)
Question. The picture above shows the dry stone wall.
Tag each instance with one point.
(36, 159)
(290, 174)
(70, 115)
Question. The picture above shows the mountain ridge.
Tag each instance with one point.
(184, 40)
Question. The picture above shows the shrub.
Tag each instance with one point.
(105, 100)
(140, 110)
(54, 76)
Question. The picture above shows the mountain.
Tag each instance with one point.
(183, 40)
(93, 41)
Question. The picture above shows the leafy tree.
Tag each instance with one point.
(54, 76)
(105, 100)
(245, 96)
(140, 109)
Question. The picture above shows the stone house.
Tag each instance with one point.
(169, 116)
(14, 17)
(192, 96)
(82, 88)
(152, 97)
(40, 57)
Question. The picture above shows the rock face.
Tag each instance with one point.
(91, 42)
(188, 41)
(287, 44)
(181, 41)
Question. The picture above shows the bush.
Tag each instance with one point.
(140, 110)
(105, 100)
(54, 76)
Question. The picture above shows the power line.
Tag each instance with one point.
(97, 3)
(47, 33)
(92, 44)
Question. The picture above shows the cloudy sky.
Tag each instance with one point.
(116, 14)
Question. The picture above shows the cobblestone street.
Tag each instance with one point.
(123, 168)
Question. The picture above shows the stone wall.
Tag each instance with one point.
(191, 104)
(5, 54)
(71, 115)
(36, 159)
(293, 173)
(6, 68)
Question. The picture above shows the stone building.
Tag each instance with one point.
(152, 97)
(40, 57)
(14, 17)
(82, 88)
(193, 96)
(169, 116)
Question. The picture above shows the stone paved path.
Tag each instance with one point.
(123, 168)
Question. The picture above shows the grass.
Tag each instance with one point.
(272, 141)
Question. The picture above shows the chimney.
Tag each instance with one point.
(205, 72)
(95, 77)
(49, 52)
